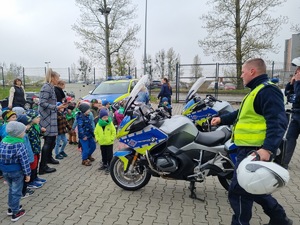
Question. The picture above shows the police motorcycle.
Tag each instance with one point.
(200, 111)
(170, 148)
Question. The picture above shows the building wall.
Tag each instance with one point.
(292, 50)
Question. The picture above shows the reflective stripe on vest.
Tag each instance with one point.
(250, 128)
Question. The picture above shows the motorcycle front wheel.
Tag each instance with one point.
(132, 179)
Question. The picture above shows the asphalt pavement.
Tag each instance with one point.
(77, 194)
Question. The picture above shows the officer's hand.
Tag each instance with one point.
(215, 121)
(264, 154)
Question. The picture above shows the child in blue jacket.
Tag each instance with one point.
(85, 125)
(15, 165)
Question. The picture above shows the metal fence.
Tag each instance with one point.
(218, 75)
(36, 75)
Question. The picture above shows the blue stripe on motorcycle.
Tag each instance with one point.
(122, 153)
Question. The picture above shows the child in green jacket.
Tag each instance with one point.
(105, 134)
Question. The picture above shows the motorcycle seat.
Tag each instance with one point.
(211, 138)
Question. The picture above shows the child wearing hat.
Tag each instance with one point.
(34, 134)
(7, 115)
(107, 106)
(15, 165)
(165, 104)
(26, 120)
(63, 128)
(85, 125)
(70, 117)
(105, 134)
(95, 108)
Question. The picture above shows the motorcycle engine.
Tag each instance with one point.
(167, 163)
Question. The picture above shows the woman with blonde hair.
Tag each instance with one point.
(48, 112)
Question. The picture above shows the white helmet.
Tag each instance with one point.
(296, 61)
(260, 177)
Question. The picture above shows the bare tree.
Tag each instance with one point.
(160, 65)
(105, 28)
(241, 29)
(172, 59)
(74, 74)
(196, 68)
(84, 69)
(295, 28)
(122, 63)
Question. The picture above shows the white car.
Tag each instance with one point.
(212, 85)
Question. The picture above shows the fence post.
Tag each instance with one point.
(217, 80)
(2, 76)
(24, 83)
(272, 69)
(94, 75)
(176, 82)
(69, 74)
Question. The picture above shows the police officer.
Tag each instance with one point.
(292, 92)
(260, 124)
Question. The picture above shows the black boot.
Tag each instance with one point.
(46, 169)
(285, 221)
(51, 160)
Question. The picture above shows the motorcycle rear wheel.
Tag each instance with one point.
(128, 180)
(225, 182)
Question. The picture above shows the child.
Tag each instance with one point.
(26, 120)
(70, 116)
(95, 110)
(119, 114)
(18, 110)
(34, 135)
(62, 126)
(14, 164)
(85, 125)
(165, 104)
(105, 134)
(107, 106)
(7, 115)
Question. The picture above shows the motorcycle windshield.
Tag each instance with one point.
(194, 88)
(133, 95)
(189, 104)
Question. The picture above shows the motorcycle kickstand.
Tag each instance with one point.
(193, 194)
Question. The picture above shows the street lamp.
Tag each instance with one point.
(47, 63)
(105, 11)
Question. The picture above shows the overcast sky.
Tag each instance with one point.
(33, 32)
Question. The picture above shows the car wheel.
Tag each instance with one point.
(27, 106)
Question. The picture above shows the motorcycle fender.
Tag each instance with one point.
(121, 155)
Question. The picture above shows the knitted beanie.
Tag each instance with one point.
(32, 113)
(7, 114)
(18, 110)
(15, 129)
(94, 101)
(24, 119)
(84, 107)
(105, 102)
(165, 99)
(103, 112)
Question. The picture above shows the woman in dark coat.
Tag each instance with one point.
(165, 91)
(59, 92)
(16, 95)
(48, 112)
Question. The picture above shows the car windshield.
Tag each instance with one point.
(111, 88)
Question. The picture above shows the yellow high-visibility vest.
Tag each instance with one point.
(250, 128)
